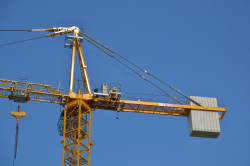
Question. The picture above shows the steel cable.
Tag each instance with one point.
(132, 70)
(112, 56)
(16, 140)
(121, 69)
(23, 40)
(166, 92)
(178, 91)
(29, 30)
(110, 50)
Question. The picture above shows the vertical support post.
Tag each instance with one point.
(64, 129)
(83, 68)
(79, 133)
(72, 66)
(89, 141)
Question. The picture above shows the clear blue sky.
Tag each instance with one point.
(200, 47)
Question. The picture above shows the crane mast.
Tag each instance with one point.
(75, 119)
(77, 116)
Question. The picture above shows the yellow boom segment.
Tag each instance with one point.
(32, 91)
(46, 93)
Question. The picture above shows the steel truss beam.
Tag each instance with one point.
(46, 93)
(32, 91)
(149, 107)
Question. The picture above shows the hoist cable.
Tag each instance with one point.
(24, 40)
(16, 140)
(132, 69)
(178, 91)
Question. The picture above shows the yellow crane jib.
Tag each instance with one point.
(18, 115)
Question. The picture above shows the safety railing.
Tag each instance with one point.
(152, 98)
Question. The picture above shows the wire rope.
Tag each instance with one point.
(112, 56)
(122, 69)
(29, 30)
(111, 50)
(178, 91)
(16, 141)
(166, 93)
(132, 70)
(23, 40)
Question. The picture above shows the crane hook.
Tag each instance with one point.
(18, 115)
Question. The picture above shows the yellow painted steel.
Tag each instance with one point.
(71, 76)
(77, 113)
(150, 107)
(33, 91)
(77, 118)
(69, 30)
(46, 93)
(76, 133)
(83, 69)
(18, 115)
(50, 29)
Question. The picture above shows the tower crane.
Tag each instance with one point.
(75, 120)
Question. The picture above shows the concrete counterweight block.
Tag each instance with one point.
(203, 123)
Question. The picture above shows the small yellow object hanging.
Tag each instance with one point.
(18, 115)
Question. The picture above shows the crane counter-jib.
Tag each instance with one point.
(31, 91)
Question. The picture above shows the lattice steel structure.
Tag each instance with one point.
(76, 136)
(75, 123)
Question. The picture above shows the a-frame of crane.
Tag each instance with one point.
(76, 116)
